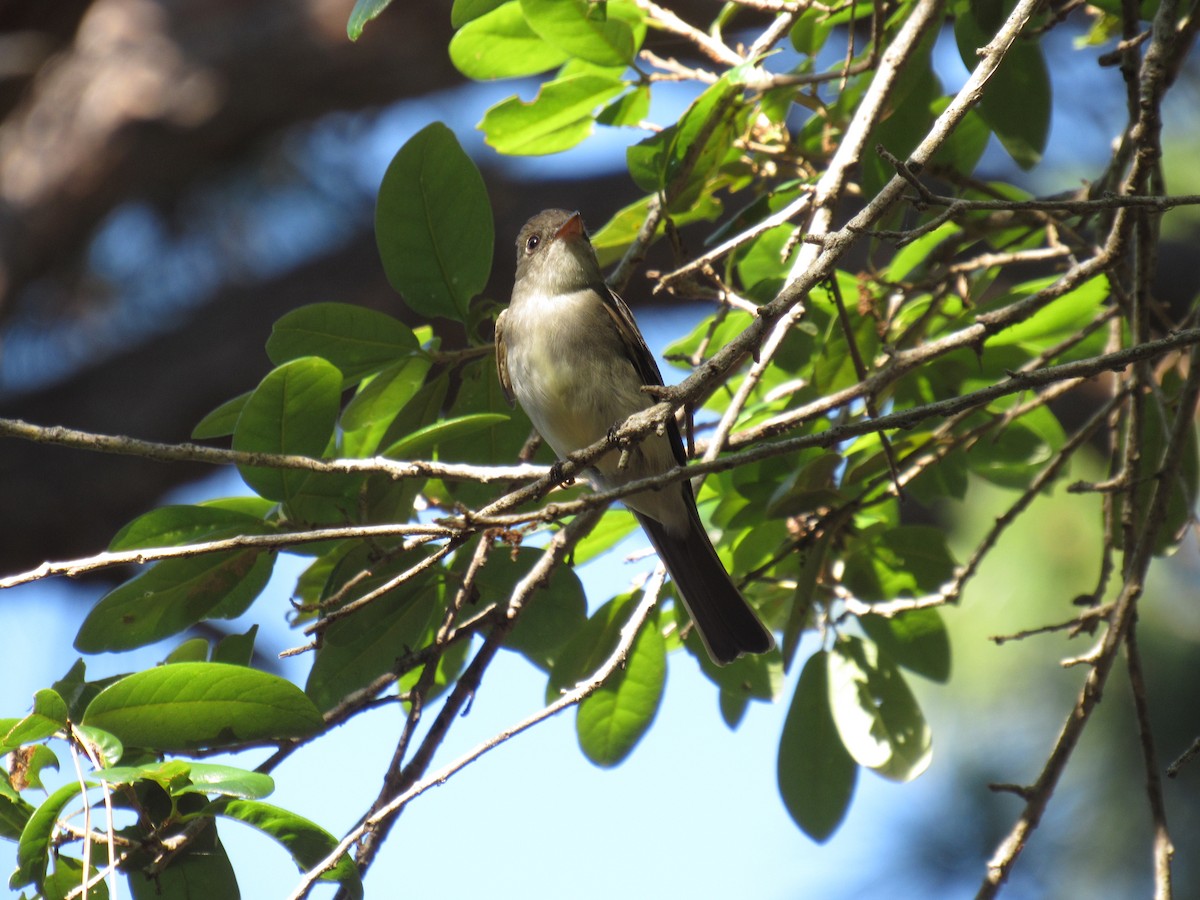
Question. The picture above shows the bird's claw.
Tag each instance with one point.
(557, 476)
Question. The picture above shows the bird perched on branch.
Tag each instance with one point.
(569, 351)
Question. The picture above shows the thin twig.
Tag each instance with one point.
(576, 695)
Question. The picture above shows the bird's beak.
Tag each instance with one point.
(572, 228)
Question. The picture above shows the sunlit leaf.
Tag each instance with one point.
(33, 850)
(359, 341)
(191, 705)
(559, 117)
(49, 714)
(876, 714)
(611, 721)
(500, 44)
(172, 526)
(600, 33)
(885, 563)
(364, 11)
(916, 640)
(416, 444)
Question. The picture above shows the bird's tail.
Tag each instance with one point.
(727, 625)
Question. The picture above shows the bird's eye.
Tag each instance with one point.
(532, 243)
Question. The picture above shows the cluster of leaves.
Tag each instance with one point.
(123, 725)
(811, 526)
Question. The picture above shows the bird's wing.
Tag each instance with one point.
(502, 359)
(635, 345)
(643, 360)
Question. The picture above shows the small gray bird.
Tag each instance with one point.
(568, 350)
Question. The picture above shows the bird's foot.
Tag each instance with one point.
(557, 476)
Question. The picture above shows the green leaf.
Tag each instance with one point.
(964, 146)
(1055, 321)
(1016, 99)
(1178, 514)
(364, 11)
(433, 224)
(480, 393)
(14, 814)
(414, 445)
(107, 746)
(816, 775)
(1011, 455)
(883, 563)
(630, 109)
(916, 640)
(812, 563)
(680, 159)
(552, 616)
(614, 237)
(178, 777)
(191, 705)
(229, 781)
(67, 876)
(876, 714)
(595, 32)
(306, 841)
(200, 871)
(174, 526)
(464, 11)
(500, 44)
(559, 117)
(810, 32)
(359, 341)
(48, 716)
(699, 142)
(612, 720)
(366, 417)
(77, 691)
(367, 643)
(222, 420)
(292, 411)
(617, 524)
(174, 595)
(755, 677)
(907, 119)
(193, 650)
(33, 850)
(236, 649)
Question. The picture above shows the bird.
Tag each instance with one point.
(570, 353)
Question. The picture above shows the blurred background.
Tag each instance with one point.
(177, 174)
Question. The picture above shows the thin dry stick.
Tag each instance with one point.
(576, 695)
(1163, 847)
(75, 567)
(468, 683)
(1038, 795)
(828, 190)
(394, 780)
(640, 423)
(710, 46)
(187, 452)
